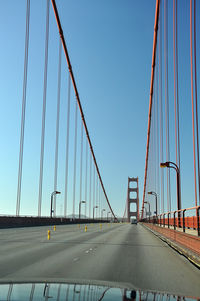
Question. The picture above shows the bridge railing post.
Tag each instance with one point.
(164, 220)
(198, 221)
(174, 220)
(184, 220)
(168, 219)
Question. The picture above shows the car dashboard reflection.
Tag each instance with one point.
(63, 291)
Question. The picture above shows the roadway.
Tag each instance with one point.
(121, 254)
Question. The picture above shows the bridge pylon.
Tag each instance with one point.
(132, 200)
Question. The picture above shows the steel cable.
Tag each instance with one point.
(75, 151)
(44, 109)
(192, 98)
(196, 101)
(77, 98)
(57, 124)
(86, 172)
(150, 98)
(90, 187)
(23, 109)
(67, 147)
(161, 114)
(167, 102)
(81, 162)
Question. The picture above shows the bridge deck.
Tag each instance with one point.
(120, 252)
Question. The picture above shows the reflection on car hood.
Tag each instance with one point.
(79, 292)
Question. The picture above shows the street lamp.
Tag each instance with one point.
(174, 166)
(81, 202)
(102, 213)
(108, 214)
(149, 208)
(145, 210)
(53, 193)
(94, 209)
(154, 193)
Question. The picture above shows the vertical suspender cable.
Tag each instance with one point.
(150, 100)
(161, 115)
(155, 131)
(90, 188)
(44, 110)
(67, 148)
(94, 186)
(86, 172)
(177, 94)
(81, 162)
(196, 102)
(78, 99)
(75, 150)
(192, 96)
(176, 98)
(99, 197)
(23, 109)
(97, 191)
(57, 125)
(167, 102)
(174, 54)
(157, 141)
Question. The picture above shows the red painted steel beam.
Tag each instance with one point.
(151, 95)
(78, 98)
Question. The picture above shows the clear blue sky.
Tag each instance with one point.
(110, 47)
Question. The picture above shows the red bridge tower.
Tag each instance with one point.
(132, 199)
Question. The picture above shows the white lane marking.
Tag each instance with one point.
(75, 259)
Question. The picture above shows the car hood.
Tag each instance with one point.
(78, 291)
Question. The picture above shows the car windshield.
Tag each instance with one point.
(100, 172)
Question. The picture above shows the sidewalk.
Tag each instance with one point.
(188, 231)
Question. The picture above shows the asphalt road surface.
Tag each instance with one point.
(124, 254)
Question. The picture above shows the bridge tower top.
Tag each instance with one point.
(132, 198)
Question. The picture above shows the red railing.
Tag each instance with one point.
(177, 219)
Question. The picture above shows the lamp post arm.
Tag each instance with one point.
(176, 166)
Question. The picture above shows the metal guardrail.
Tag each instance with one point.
(177, 219)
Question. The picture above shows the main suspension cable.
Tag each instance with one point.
(77, 97)
(151, 95)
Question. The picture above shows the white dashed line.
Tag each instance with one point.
(75, 259)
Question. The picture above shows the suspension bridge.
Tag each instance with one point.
(61, 190)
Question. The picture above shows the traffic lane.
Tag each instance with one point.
(20, 253)
(39, 235)
(31, 232)
(134, 255)
(129, 254)
(149, 263)
(126, 254)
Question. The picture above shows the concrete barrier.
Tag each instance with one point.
(26, 221)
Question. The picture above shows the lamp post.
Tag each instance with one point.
(94, 209)
(102, 213)
(149, 208)
(145, 210)
(53, 193)
(170, 164)
(108, 214)
(81, 202)
(154, 193)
